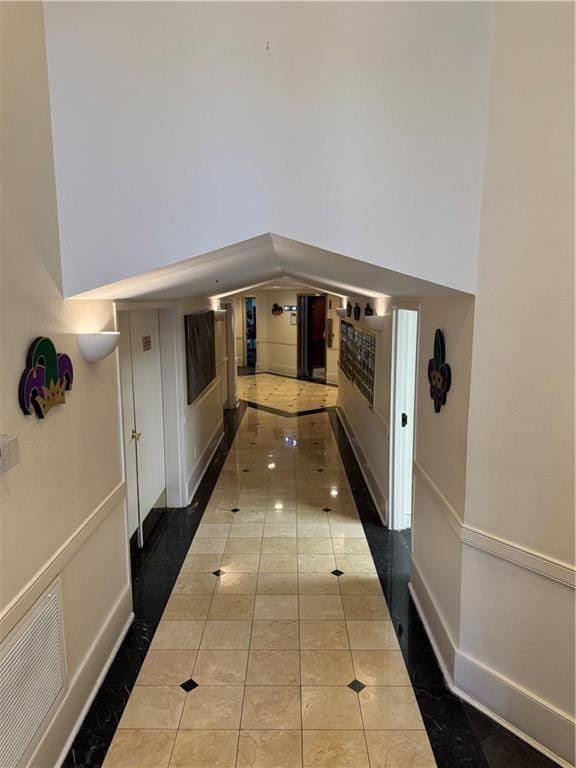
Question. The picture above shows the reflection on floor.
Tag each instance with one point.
(276, 647)
(290, 395)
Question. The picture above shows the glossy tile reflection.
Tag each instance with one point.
(285, 394)
(276, 594)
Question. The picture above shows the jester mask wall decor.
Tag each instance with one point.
(46, 378)
(439, 373)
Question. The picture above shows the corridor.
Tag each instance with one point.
(275, 649)
(280, 392)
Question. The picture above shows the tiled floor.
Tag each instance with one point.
(290, 395)
(275, 649)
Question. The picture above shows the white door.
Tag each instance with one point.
(148, 410)
(143, 416)
(405, 345)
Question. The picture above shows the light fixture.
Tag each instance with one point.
(97, 346)
(375, 322)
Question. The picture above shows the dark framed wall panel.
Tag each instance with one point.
(358, 359)
(200, 353)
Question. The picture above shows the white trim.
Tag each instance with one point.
(517, 554)
(464, 674)
(85, 684)
(197, 472)
(31, 591)
(203, 395)
(377, 496)
(452, 517)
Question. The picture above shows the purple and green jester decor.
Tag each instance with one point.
(46, 378)
(439, 374)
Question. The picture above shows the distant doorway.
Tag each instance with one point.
(312, 337)
(250, 326)
(404, 356)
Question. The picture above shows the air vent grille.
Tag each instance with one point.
(32, 678)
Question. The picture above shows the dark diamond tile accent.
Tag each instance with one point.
(189, 685)
(356, 685)
(245, 470)
(337, 572)
(219, 572)
(327, 509)
(319, 470)
(235, 509)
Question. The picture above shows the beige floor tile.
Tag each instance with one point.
(253, 516)
(166, 667)
(279, 546)
(351, 546)
(318, 584)
(153, 706)
(201, 563)
(372, 635)
(240, 563)
(326, 667)
(279, 530)
(140, 749)
(307, 530)
(205, 749)
(277, 584)
(355, 563)
(280, 516)
(273, 668)
(334, 749)
(236, 584)
(231, 607)
(347, 530)
(332, 708)
(380, 667)
(207, 546)
(316, 563)
(271, 707)
(276, 607)
(399, 749)
(269, 749)
(321, 607)
(278, 563)
(360, 584)
(246, 530)
(217, 516)
(177, 635)
(323, 635)
(220, 667)
(390, 708)
(212, 531)
(194, 584)
(187, 607)
(213, 707)
(314, 546)
(365, 608)
(243, 547)
(226, 635)
(275, 635)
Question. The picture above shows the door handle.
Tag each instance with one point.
(404, 419)
(135, 435)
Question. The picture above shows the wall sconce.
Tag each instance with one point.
(97, 346)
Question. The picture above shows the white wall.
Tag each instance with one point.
(62, 508)
(369, 428)
(357, 127)
(520, 476)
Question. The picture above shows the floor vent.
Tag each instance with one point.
(32, 678)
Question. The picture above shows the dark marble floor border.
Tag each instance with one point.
(279, 412)
(460, 736)
(290, 378)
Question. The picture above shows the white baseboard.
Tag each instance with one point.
(197, 473)
(84, 686)
(377, 496)
(498, 697)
